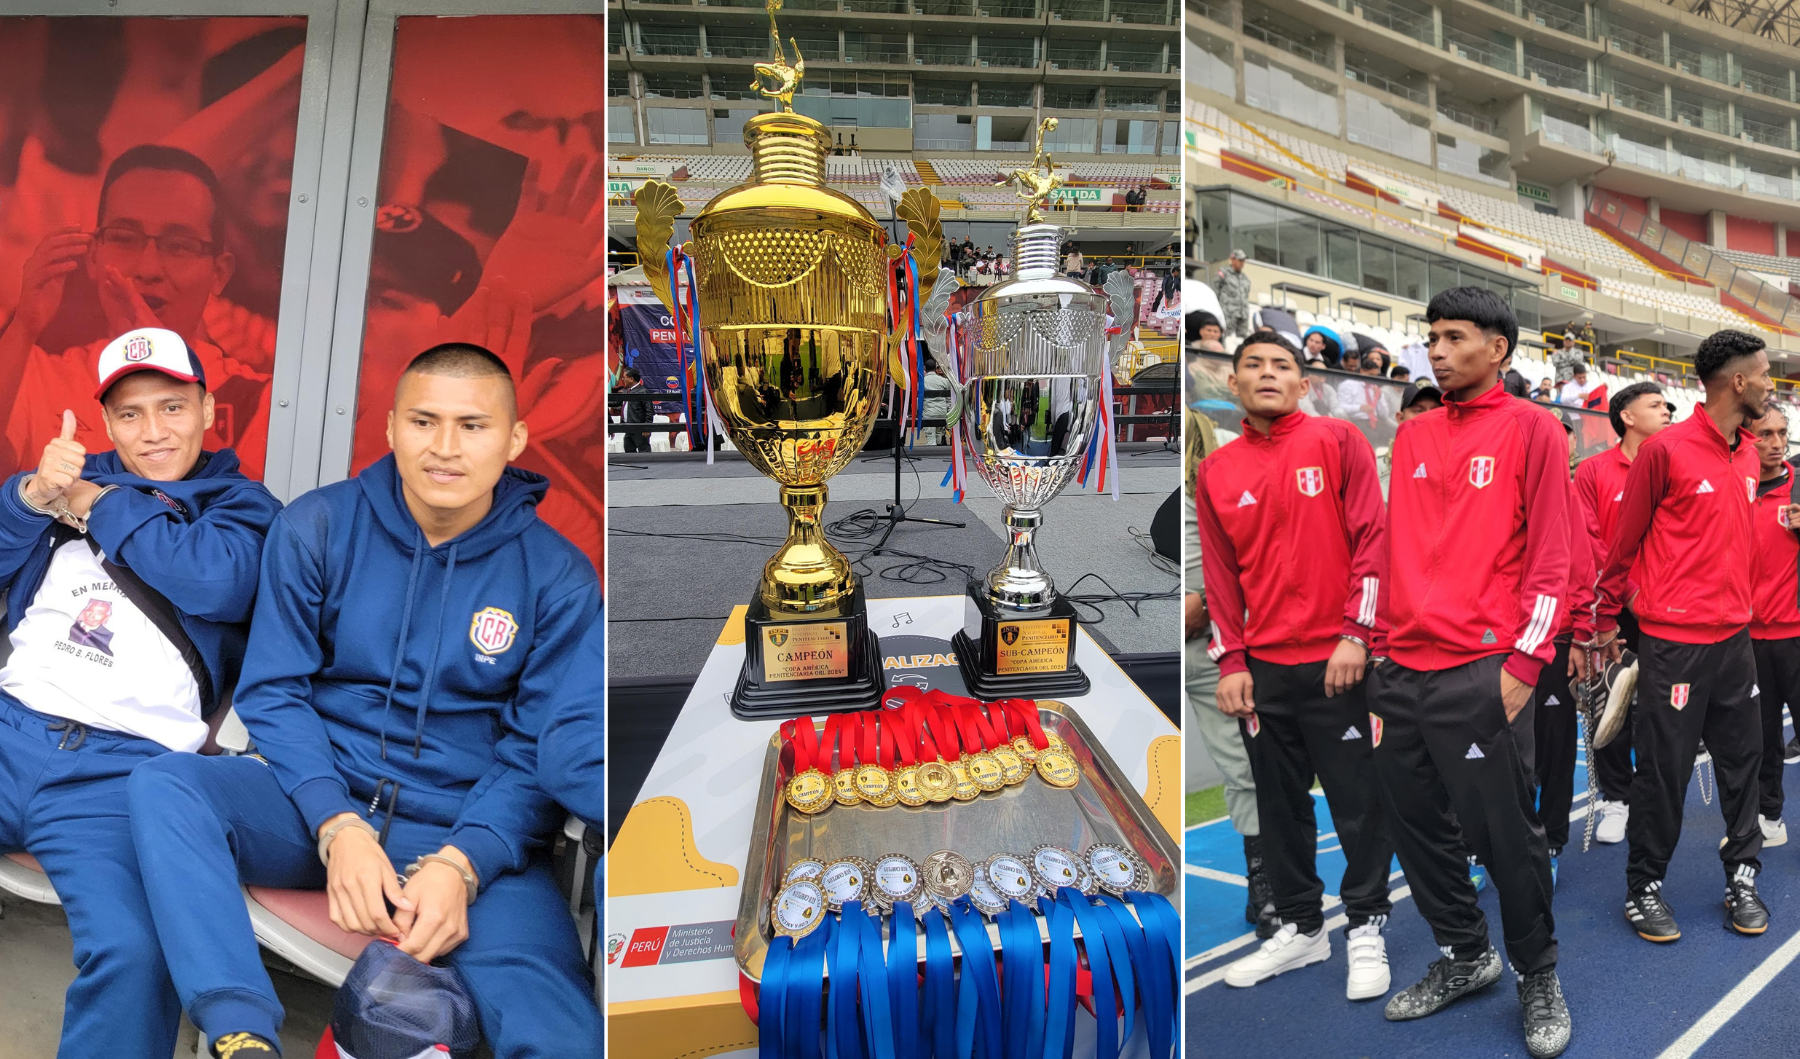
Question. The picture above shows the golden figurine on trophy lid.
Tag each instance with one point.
(795, 341)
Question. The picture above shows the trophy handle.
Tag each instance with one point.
(658, 204)
(1121, 295)
(920, 209)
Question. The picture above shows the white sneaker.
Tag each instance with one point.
(1774, 831)
(1367, 952)
(1288, 950)
(1611, 828)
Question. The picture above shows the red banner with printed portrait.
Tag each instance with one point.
(489, 229)
(145, 168)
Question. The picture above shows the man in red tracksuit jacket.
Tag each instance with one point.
(1291, 521)
(1638, 412)
(1685, 523)
(1774, 609)
(1553, 705)
(1474, 589)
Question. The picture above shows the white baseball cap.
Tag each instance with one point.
(148, 349)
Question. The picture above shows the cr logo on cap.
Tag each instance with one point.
(137, 348)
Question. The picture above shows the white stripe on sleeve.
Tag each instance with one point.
(1216, 650)
(1543, 616)
(1365, 614)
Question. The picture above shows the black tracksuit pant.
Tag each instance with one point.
(1555, 736)
(1302, 733)
(1778, 684)
(1686, 693)
(1446, 746)
(1612, 762)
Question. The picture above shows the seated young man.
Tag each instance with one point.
(129, 578)
(412, 628)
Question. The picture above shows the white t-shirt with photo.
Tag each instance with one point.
(86, 653)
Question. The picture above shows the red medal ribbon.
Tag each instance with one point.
(1025, 712)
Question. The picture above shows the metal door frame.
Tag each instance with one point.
(330, 460)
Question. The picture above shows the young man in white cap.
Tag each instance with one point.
(128, 578)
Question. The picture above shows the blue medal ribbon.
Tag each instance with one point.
(843, 1039)
(878, 1020)
(806, 993)
(1023, 989)
(1162, 926)
(1135, 957)
(1059, 1021)
(771, 999)
(1106, 1004)
(940, 990)
(978, 964)
(903, 980)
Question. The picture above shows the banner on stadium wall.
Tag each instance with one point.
(1171, 177)
(650, 343)
(666, 170)
(1417, 198)
(1533, 256)
(616, 188)
(1083, 196)
(1533, 192)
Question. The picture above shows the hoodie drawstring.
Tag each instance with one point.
(436, 649)
(412, 581)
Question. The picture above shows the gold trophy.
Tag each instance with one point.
(795, 343)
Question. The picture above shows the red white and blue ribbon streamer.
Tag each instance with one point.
(695, 400)
(1102, 451)
(957, 474)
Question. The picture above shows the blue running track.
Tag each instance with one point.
(1713, 994)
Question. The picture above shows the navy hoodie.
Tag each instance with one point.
(572, 752)
(375, 656)
(198, 541)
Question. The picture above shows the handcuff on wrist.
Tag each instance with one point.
(468, 877)
(356, 823)
(61, 514)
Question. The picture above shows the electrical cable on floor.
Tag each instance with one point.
(1132, 600)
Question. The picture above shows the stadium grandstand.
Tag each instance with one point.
(945, 93)
(1626, 165)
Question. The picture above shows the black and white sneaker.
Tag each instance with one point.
(1446, 981)
(1650, 915)
(1748, 914)
(1792, 756)
(1619, 680)
(1546, 1016)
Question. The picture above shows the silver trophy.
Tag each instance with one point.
(1033, 353)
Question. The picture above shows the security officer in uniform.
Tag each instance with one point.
(1233, 288)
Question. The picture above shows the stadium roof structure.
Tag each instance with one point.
(1778, 20)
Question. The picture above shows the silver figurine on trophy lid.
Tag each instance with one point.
(1033, 354)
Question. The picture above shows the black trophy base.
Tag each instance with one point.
(1006, 654)
(799, 666)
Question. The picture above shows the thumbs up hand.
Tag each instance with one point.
(60, 467)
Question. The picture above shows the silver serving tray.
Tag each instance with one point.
(1103, 807)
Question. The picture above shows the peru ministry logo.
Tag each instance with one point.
(492, 631)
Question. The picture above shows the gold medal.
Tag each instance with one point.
(875, 785)
(1028, 751)
(986, 772)
(1056, 741)
(906, 786)
(937, 781)
(965, 789)
(1058, 768)
(1012, 766)
(843, 783)
(809, 792)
